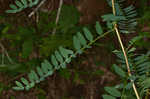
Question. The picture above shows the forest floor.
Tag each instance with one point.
(87, 75)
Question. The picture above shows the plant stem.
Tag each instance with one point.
(58, 15)
(124, 52)
(36, 9)
(101, 36)
(6, 53)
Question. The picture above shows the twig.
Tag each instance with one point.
(3, 55)
(124, 52)
(6, 53)
(33, 12)
(58, 15)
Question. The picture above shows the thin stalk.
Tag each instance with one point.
(124, 52)
(6, 53)
(36, 9)
(58, 15)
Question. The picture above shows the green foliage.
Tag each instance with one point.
(65, 29)
(139, 64)
(27, 48)
(119, 71)
(21, 5)
(58, 60)
(46, 22)
(108, 97)
(54, 41)
(126, 20)
(66, 22)
(113, 91)
(127, 17)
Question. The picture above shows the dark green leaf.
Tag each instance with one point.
(25, 81)
(48, 65)
(58, 56)
(39, 71)
(81, 39)
(13, 7)
(24, 2)
(119, 71)
(54, 62)
(27, 48)
(108, 97)
(99, 29)
(76, 43)
(19, 4)
(88, 34)
(35, 76)
(18, 88)
(19, 84)
(44, 68)
(112, 91)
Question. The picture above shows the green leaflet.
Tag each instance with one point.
(11, 11)
(35, 76)
(108, 97)
(99, 29)
(65, 52)
(24, 2)
(77, 44)
(111, 17)
(119, 71)
(48, 65)
(81, 39)
(31, 77)
(60, 58)
(21, 5)
(113, 91)
(19, 86)
(25, 81)
(88, 34)
(128, 23)
(54, 62)
(39, 71)
(30, 3)
(35, 2)
(44, 68)
(13, 7)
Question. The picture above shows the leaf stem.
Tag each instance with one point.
(124, 52)
(58, 16)
(4, 51)
(101, 36)
(36, 9)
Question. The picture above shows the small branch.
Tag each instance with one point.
(6, 53)
(124, 52)
(58, 15)
(3, 55)
(35, 10)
